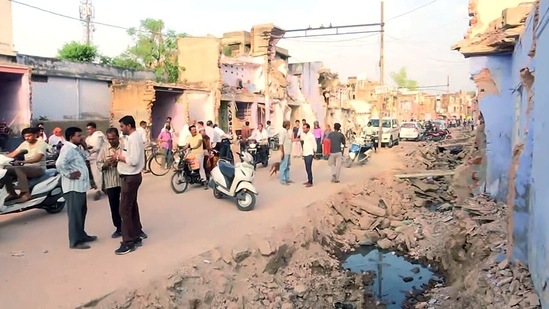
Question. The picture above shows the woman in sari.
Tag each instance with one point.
(326, 142)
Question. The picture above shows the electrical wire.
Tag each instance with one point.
(411, 11)
(82, 20)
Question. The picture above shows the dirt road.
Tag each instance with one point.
(38, 270)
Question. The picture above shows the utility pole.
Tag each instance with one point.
(86, 15)
(381, 96)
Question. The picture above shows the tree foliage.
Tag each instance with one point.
(401, 79)
(152, 49)
(74, 51)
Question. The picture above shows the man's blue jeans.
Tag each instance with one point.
(285, 169)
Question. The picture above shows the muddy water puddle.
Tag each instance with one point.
(396, 279)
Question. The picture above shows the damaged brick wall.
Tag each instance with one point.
(132, 98)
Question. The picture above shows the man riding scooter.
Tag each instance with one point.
(33, 165)
(262, 137)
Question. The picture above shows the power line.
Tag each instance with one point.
(411, 11)
(332, 41)
(84, 20)
(332, 34)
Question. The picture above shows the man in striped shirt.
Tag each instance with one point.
(107, 163)
(75, 181)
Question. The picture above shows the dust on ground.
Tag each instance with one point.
(426, 213)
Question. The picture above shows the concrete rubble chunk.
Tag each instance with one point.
(384, 244)
(300, 290)
(369, 208)
(265, 247)
(366, 222)
(239, 255)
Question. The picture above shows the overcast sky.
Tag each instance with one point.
(419, 40)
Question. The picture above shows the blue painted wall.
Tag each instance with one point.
(514, 123)
(498, 111)
(538, 236)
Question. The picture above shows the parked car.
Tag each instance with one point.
(390, 131)
(411, 131)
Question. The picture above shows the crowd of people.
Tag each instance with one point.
(112, 164)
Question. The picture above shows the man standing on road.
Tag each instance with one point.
(286, 152)
(95, 142)
(131, 161)
(337, 139)
(309, 145)
(107, 163)
(75, 181)
(144, 134)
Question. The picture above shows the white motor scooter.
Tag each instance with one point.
(235, 181)
(46, 192)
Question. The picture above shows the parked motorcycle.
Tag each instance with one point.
(46, 192)
(359, 151)
(186, 172)
(274, 142)
(259, 152)
(435, 136)
(235, 181)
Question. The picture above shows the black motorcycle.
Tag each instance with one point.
(259, 152)
(187, 172)
(274, 142)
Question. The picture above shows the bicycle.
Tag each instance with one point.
(158, 162)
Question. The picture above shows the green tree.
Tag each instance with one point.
(74, 51)
(152, 49)
(401, 79)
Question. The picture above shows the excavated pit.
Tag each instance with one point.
(398, 282)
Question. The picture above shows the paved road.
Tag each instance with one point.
(50, 275)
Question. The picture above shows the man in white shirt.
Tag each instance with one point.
(260, 134)
(42, 135)
(219, 131)
(144, 134)
(95, 141)
(75, 181)
(215, 138)
(309, 146)
(131, 162)
(262, 138)
(142, 130)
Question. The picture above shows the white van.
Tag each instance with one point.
(390, 130)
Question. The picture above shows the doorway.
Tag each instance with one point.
(15, 112)
(164, 106)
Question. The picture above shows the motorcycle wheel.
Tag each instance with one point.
(265, 163)
(448, 136)
(246, 203)
(57, 208)
(179, 184)
(217, 194)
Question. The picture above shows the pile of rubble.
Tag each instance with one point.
(299, 267)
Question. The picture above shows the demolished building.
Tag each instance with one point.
(506, 44)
